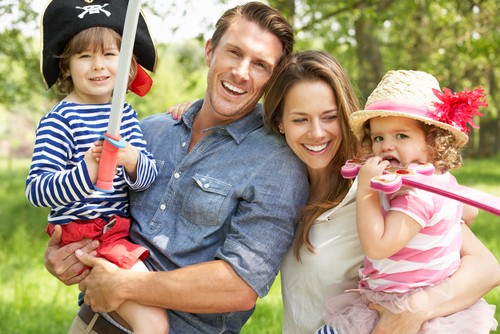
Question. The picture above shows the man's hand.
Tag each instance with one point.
(62, 263)
(100, 287)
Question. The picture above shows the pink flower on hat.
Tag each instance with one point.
(458, 109)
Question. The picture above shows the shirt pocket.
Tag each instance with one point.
(203, 204)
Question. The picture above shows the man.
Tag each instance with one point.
(222, 210)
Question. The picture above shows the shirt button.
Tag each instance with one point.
(184, 144)
(162, 207)
(206, 185)
(177, 175)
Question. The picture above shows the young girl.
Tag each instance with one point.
(411, 238)
(80, 55)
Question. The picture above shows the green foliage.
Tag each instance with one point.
(18, 57)
(454, 40)
(18, 62)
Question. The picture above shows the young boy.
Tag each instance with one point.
(81, 46)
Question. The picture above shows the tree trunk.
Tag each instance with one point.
(369, 57)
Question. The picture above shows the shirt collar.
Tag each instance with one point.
(350, 197)
(238, 129)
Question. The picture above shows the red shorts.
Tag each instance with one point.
(113, 243)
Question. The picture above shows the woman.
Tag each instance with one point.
(309, 102)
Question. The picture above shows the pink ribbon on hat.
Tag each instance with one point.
(454, 109)
(403, 108)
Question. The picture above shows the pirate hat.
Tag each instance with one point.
(63, 19)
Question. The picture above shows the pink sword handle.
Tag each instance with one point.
(415, 175)
(113, 140)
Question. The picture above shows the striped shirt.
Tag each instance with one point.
(58, 176)
(432, 255)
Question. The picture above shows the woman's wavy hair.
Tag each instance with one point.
(316, 66)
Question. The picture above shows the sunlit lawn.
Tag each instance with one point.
(32, 301)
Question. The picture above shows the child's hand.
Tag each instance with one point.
(97, 150)
(128, 157)
(373, 166)
(179, 109)
(92, 157)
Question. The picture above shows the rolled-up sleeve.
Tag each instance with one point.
(262, 229)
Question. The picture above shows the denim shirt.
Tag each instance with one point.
(235, 196)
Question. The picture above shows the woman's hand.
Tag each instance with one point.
(390, 323)
(62, 263)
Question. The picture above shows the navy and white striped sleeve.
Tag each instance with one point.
(146, 165)
(50, 183)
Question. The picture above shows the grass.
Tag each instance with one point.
(33, 302)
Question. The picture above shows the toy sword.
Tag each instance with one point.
(112, 138)
(417, 175)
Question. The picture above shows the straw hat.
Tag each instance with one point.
(63, 19)
(417, 95)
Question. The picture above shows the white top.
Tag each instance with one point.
(332, 269)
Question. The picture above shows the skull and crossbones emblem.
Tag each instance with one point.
(93, 9)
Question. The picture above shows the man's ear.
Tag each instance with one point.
(208, 52)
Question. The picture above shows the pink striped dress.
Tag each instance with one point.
(428, 259)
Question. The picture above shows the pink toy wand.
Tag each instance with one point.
(416, 175)
(112, 138)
